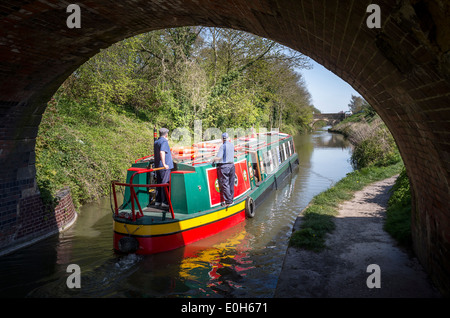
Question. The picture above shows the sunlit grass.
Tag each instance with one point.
(85, 150)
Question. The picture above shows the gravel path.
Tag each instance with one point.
(357, 242)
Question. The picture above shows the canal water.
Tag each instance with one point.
(244, 261)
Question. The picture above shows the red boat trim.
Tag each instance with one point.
(163, 243)
(191, 228)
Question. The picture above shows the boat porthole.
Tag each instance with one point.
(249, 207)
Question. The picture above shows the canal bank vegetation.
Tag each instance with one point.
(372, 141)
(398, 215)
(375, 157)
(85, 150)
(102, 117)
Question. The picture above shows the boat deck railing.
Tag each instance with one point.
(133, 197)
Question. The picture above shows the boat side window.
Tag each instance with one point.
(274, 157)
(262, 164)
(265, 161)
(284, 151)
(271, 161)
(254, 165)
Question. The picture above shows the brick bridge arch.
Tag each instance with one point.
(330, 118)
(402, 69)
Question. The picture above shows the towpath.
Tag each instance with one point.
(341, 271)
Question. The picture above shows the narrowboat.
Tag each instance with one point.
(194, 209)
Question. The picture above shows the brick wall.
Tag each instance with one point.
(402, 69)
(35, 221)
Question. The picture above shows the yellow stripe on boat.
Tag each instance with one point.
(174, 227)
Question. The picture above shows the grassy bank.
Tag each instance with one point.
(85, 150)
(398, 214)
(372, 141)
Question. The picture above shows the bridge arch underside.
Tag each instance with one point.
(401, 69)
(327, 119)
(323, 122)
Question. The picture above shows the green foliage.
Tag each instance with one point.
(358, 104)
(86, 152)
(401, 192)
(375, 151)
(398, 218)
(373, 143)
(352, 119)
(224, 77)
(309, 239)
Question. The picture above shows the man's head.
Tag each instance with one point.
(164, 132)
(224, 136)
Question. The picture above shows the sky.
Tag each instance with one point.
(329, 93)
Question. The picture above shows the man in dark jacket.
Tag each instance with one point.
(163, 158)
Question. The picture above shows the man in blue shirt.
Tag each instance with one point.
(226, 170)
(163, 158)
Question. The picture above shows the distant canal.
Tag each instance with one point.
(244, 261)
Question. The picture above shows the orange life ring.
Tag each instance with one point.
(183, 150)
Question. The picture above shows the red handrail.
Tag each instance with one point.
(133, 195)
(137, 160)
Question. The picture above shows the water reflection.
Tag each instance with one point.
(330, 140)
(244, 261)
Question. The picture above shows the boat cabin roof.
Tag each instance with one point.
(203, 152)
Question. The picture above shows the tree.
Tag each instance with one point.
(226, 78)
(357, 104)
(257, 70)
